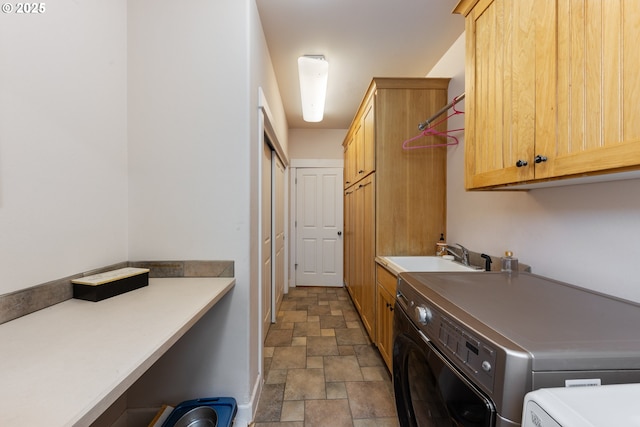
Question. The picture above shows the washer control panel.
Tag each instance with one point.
(470, 353)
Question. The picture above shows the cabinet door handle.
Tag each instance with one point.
(540, 159)
(521, 163)
(360, 171)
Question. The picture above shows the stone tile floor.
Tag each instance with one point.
(321, 369)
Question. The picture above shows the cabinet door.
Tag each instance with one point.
(353, 243)
(597, 89)
(500, 92)
(368, 137)
(384, 315)
(350, 163)
(384, 325)
(348, 239)
(358, 136)
(364, 143)
(365, 256)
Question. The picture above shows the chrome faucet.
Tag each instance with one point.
(463, 257)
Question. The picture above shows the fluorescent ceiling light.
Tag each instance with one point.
(313, 72)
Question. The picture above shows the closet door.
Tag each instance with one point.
(278, 233)
(266, 240)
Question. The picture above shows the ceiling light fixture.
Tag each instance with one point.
(313, 71)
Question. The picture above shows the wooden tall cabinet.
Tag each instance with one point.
(394, 198)
(551, 89)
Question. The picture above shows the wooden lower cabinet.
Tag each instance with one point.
(386, 288)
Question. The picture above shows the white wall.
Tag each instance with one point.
(189, 183)
(582, 234)
(63, 141)
(316, 143)
(194, 73)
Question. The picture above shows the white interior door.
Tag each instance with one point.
(319, 223)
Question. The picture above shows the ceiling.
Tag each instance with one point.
(360, 39)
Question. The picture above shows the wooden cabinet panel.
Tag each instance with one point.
(411, 184)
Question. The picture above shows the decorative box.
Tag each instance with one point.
(110, 283)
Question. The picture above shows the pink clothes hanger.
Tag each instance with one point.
(406, 145)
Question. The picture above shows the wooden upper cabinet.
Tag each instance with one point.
(360, 144)
(551, 89)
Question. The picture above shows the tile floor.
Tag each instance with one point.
(320, 367)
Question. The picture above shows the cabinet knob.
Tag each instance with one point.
(339, 233)
(361, 171)
(540, 159)
(521, 163)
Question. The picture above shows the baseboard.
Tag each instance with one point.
(247, 411)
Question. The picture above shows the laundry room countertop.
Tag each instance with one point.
(66, 364)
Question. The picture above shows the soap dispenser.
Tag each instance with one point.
(441, 246)
(509, 262)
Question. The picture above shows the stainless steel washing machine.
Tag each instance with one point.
(469, 346)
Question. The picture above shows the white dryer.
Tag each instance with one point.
(588, 406)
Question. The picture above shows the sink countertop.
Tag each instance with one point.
(66, 364)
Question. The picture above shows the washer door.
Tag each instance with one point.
(429, 390)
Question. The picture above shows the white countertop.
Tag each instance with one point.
(66, 364)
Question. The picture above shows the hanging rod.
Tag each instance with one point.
(426, 123)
